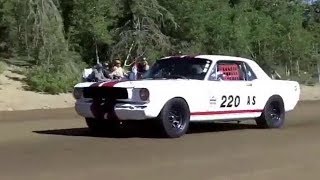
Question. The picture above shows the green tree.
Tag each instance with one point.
(141, 33)
(7, 27)
(91, 27)
(56, 69)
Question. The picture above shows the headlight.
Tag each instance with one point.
(77, 93)
(144, 94)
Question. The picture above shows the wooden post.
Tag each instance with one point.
(128, 56)
(318, 69)
(97, 54)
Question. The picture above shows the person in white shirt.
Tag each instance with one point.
(117, 71)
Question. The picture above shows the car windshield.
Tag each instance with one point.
(179, 68)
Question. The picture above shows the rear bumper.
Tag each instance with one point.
(121, 110)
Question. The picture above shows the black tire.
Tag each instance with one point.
(174, 118)
(98, 126)
(273, 115)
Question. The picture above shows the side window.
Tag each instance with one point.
(228, 71)
(213, 74)
(250, 75)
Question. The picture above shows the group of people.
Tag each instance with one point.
(106, 72)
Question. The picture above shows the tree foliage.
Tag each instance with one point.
(90, 27)
(42, 42)
(55, 35)
(141, 33)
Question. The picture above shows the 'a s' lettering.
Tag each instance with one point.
(251, 101)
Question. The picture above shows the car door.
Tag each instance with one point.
(255, 101)
(231, 94)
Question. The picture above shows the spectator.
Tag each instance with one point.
(117, 71)
(98, 75)
(133, 72)
(106, 70)
(142, 67)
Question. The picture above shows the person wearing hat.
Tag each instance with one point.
(117, 70)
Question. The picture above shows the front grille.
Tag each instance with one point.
(110, 93)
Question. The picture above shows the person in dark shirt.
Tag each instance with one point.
(106, 70)
(98, 73)
(142, 67)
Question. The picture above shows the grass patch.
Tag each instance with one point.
(3, 67)
(305, 79)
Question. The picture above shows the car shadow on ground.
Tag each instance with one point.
(145, 131)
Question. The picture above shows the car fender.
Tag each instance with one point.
(195, 97)
(289, 91)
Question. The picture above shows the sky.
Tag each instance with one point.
(310, 1)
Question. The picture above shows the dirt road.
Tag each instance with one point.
(44, 145)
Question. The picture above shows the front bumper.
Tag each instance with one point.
(123, 111)
(83, 108)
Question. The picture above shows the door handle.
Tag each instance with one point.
(249, 84)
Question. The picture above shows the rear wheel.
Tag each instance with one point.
(174, 118)
(273, 115)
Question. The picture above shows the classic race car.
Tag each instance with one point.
(179, 90)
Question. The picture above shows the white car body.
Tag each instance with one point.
(207, 100)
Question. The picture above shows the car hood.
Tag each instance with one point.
(140, 83)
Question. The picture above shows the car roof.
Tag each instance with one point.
(260, 73)
(213, 57)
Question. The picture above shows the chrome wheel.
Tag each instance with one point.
(176, 119)
(275, 113)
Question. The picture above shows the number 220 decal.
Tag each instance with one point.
(230, 101)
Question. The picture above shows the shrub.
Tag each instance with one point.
(55, 79)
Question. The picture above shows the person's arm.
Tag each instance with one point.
(124, 72)
(97, 75)
(113, 71)
(106, 74)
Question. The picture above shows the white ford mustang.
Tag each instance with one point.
(179, 90)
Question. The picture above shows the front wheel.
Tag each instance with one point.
(174, 118)
(273, 115)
